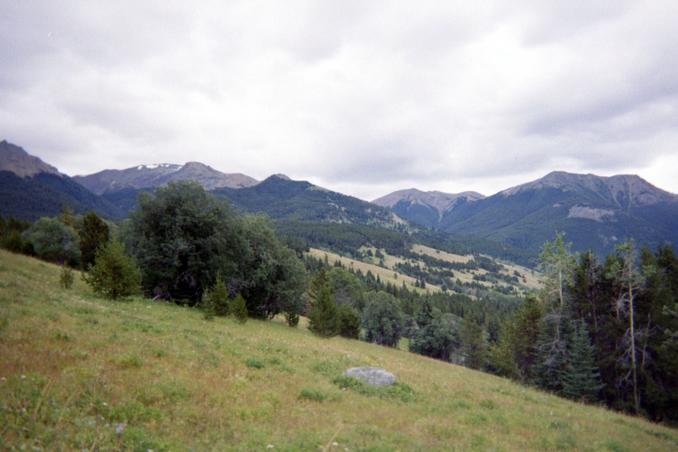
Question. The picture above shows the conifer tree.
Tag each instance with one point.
(581, 376)
(473, 344)
(323, 313)
(553, 348)
(238, 308)
(215, 299)
(114, 274)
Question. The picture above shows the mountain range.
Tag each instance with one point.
(595, 212)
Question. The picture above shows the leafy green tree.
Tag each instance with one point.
(274, 278)
(556, 263)
(382, 319)
(93, 234)
(53, 241)
(349, 321)
(182, 237)
(238, 308)
(323, 315)
(346, 288)
(114, 274)
(581, 376)
(438, 339)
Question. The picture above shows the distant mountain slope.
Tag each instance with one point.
(425, 207)
(16, 160)
(151, 176)
(282, 198)
(37, 189)
(594, 212)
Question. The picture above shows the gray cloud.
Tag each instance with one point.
(364, 97)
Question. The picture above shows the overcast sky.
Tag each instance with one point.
(362, 97)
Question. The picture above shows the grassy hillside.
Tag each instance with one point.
(74, 368)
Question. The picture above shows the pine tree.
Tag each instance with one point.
(215, 300)
(473, 344)
(553, 346)
(238, 308)
(581, 376)
(323, 313)
(625, 272)
(113, 274)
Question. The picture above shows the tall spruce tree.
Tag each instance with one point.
(553, 351)
(581, 376)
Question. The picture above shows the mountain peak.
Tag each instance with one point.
(16, 160)
(281, 176)
(154, 175)
(622, 189)
(440, 201)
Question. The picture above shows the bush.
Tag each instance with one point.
(114, 274)
(239, 309)
(66, 277)
(292, 319)
(312, 394)
(254, 363)
(53, 241)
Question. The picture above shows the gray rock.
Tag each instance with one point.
(375, 376)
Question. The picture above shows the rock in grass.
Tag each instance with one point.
(375, 376)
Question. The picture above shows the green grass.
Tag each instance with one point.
(78, 372)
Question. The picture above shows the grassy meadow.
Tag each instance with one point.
(79, 372)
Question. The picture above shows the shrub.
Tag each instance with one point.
(254, 363)
(113, 274)
(292, 319)
(53, 241)
(397, 390)
(239, 309)
(66, 277)
(312, 394)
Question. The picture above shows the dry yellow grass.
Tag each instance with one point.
(385, 274)
(74, 368)
(442, 255)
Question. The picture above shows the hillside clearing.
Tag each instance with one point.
(387, 275)
(80, 372)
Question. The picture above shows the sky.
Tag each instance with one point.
(362, 97)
